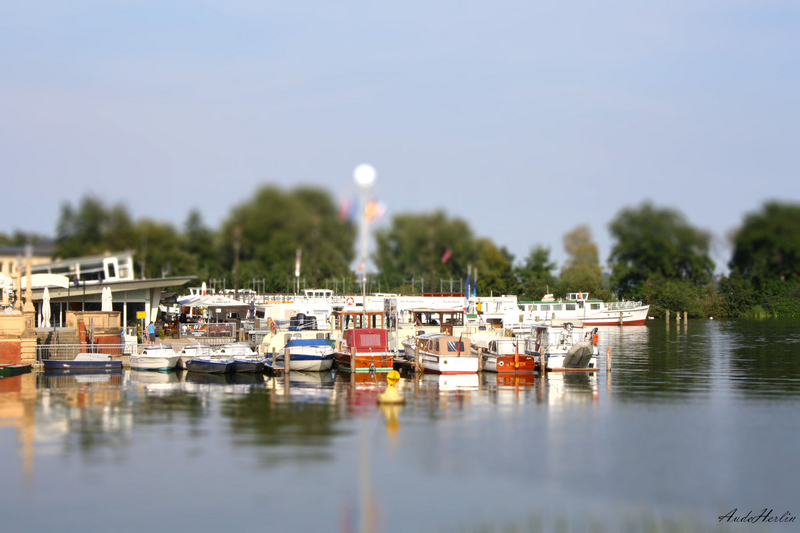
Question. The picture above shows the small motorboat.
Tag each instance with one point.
(160, 357)
(244, 359)
(14, 370)
(86, 361)
(210, 365)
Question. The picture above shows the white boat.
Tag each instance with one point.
(567, 345)
(313, 355)
(591, 312)
(442, 354)
(190, 351)
(155, 357)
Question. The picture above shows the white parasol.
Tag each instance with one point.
(45, 308)
(107, 300)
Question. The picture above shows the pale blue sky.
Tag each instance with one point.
(507, 113)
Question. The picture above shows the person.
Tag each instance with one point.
(151, 332)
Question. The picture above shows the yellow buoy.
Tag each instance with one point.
(391, 395)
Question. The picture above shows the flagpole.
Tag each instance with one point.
(364, 176)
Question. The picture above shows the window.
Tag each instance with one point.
(455, 346)
(570, 307)
(558, 307)
(545, 307)
(595, 307)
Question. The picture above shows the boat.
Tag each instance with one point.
(14, 370)
(210, 365)
(565, 345)
(86, 361)
(190, 351)
(155, 357)
(363, 349)
(507, 355)
(438, 353)
(244, 359)
(314, 355)
(591, 312)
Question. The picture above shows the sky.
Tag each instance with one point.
(525, 118)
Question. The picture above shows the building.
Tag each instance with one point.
(77, 284)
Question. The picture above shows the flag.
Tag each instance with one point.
(344, 209)
(446, 256)
(468, 286)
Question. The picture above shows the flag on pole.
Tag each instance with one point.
(446, 256)
(297, 263)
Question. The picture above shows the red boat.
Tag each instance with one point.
(369, 346)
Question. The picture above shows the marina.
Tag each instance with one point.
(668, 427)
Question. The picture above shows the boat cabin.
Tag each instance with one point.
(444, 344)
(367, 339)
(445, 319)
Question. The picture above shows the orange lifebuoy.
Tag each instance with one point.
(350, 300)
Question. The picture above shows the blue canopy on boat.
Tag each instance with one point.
(307, 342)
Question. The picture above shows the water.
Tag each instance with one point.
(690, 424)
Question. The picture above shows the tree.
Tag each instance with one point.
(656, 243)
(202, 246)
(767, 246)
(92, 228)
(536, 273)
(581, 272)
(163, 251)
(430, 246)
(274, 224)
(495, 272)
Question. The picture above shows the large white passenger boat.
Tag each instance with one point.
(591, 312)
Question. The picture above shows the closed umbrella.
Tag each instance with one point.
(45, 308)
(107, 300)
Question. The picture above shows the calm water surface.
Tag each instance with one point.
(692, 422)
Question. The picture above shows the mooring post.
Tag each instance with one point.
(608, 359)
(353, 360)
(667, 316)
(542, 362)
(417, 361)
(480, 360)
(685, 316)
(620, 318)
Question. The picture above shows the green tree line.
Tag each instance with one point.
(657, 256)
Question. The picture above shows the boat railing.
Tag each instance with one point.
(67, 352)
(620, 306)
(210, 330)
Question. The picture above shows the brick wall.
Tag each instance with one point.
(10, 352)
(107, 344)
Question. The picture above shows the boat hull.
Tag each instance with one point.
(209, 367)
(153, 362)
(81, 365)
(249, 367)
(438, 364)
(383, 362)
(306, 363)
(508, 364)
(14, 370)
